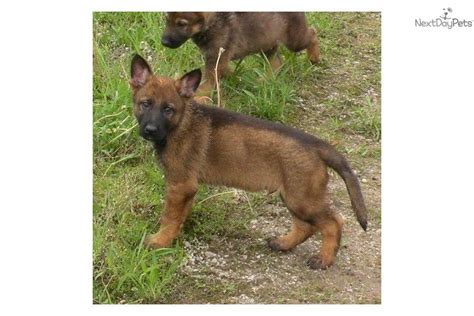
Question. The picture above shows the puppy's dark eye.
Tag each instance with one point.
(168, 110)
(182, 23)
(146, 104)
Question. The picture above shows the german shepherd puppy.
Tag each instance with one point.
(195, 144)
(240, 34)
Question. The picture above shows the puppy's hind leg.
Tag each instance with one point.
(301, 37)
(303, 225)
(319, 215)
(330, 225)
(299, 232)
(313, 48)
(307, 202)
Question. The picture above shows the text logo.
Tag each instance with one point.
(445, 20)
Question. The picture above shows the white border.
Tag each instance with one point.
(46, 159)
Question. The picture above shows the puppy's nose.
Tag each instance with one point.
(150, 129)
(165, 41)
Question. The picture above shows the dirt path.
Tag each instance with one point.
(242, 269)
(246, 271)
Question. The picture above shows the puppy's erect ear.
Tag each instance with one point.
(140, 72)
(188, 83)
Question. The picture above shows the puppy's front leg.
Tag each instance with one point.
(178, 201)
(209, 84)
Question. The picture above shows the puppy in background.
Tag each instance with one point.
(240, 34)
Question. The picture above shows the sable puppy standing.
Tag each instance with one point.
(199, 144)
(240, 34)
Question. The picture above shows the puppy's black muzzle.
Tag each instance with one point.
(172, 42)
(149, 132)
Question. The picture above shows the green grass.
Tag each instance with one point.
(128, 186)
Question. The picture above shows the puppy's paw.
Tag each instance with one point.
(275, 244)
(317, 263)
(315, 60)
(154, 242)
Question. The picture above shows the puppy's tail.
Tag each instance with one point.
(337, 162)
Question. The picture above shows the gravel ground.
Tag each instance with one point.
(246, 271)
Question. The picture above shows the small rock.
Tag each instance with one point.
(210, 254)
(245, 299)
(364, 180)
